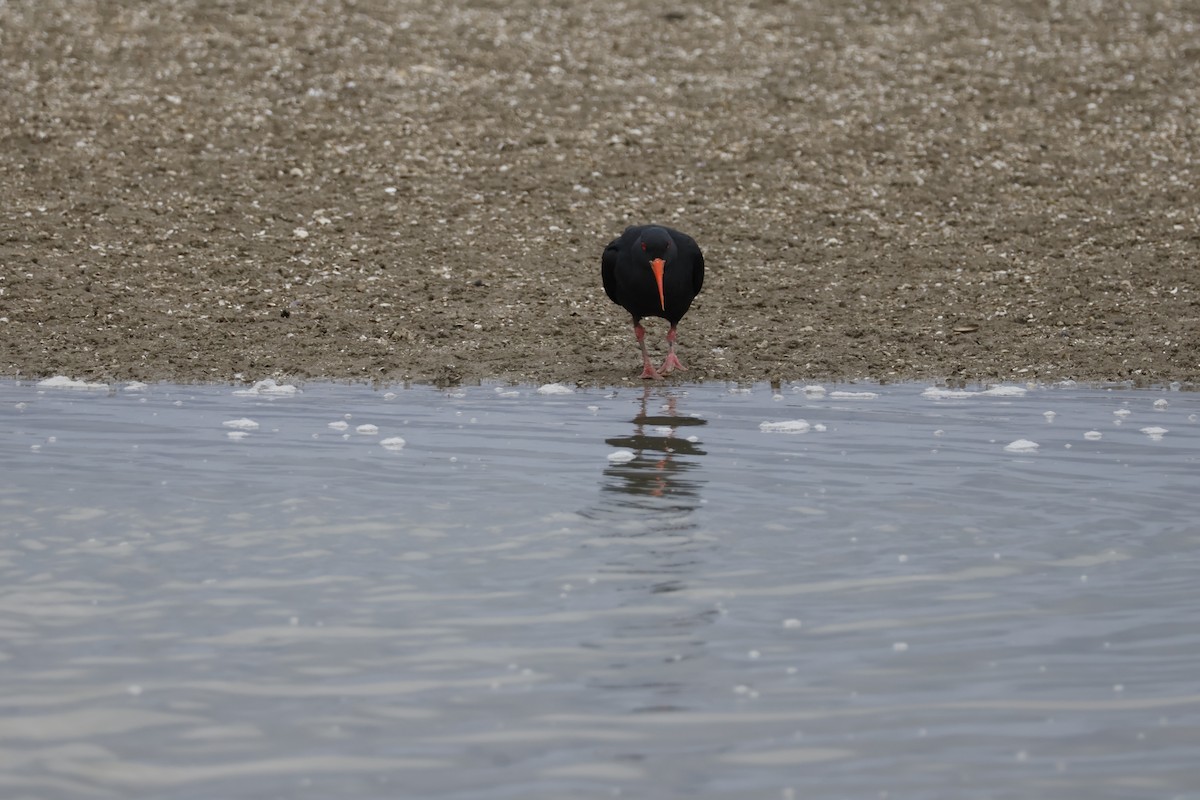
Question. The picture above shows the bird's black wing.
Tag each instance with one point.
(608, 270)
(689, 251)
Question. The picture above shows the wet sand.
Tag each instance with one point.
(396, 192)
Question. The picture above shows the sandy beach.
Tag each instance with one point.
(420, 192)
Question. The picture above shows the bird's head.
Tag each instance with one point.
(658, 248)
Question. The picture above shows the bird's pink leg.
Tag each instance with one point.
(672, 361)
(648, 370)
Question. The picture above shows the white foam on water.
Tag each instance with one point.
(814, 389)
(1049, 415)
(367, 429)
(621, 456)
(1122, 412)
(663, 430)
(785, 426)
(555, 388)
(393, 443)
(1160, 404)
(502, 392)
(1005, 391)
(339, 425)
(1154, 432)
(1093, 436)
(242, 424)
(1022, 446)
(938, 393)
(268, 388)
(853, 395)
(135, 386)
(237, 435)
(63, 382)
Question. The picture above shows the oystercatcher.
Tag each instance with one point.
(653, 271)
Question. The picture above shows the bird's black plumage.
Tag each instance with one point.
(627, 269)
(629, 281)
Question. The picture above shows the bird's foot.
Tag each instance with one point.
(649, 373)
(671, 364)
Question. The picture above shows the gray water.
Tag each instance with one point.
(630, 593)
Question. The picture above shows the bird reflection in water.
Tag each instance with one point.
(647, 546)
(663, 455)
(649, 504)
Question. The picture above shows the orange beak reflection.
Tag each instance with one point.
(657, 267)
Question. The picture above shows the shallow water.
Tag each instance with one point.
(633, 593)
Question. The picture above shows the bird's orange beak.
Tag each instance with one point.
(657, 267)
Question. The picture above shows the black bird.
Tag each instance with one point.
(653, 271)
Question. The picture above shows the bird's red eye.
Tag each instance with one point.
(643, 245)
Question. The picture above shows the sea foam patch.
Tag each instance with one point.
(1155, 432)
(786, 426)
(268, 388)
(1022, 446)
(939, 393)
(63, 382)
(853, 395)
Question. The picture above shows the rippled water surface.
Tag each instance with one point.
(635, 593)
